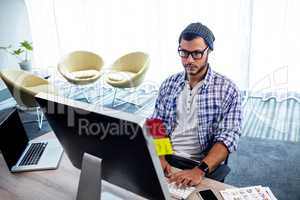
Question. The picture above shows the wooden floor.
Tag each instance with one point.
(40, 185)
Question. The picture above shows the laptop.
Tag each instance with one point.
(21, 154)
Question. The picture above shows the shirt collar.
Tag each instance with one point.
(207, 79)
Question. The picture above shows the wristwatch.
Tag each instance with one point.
(204, 167)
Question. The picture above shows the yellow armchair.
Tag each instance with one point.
(128, 71)
(81, 68)
(23, 86)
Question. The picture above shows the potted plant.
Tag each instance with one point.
(21, 53)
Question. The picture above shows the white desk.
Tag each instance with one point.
(58, 184)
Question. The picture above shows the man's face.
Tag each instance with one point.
(194, 66)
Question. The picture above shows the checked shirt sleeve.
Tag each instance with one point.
(163, 107)
(229, 129)
(159, 109)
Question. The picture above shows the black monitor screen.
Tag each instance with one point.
(121, 144)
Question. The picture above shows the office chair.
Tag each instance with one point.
(23, 86)
(128, 71)
(81, 68)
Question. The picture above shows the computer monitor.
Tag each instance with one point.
(118, 138)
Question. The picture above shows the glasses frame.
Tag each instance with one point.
(192, 53)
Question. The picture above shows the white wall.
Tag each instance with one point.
(14, 27)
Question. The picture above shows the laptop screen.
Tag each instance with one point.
(13, 138)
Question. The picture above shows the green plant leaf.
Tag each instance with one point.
(27, 45)
(18, 52)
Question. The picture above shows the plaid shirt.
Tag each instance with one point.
(219, 109)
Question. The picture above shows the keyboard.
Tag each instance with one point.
(178, 192)
(33, 154)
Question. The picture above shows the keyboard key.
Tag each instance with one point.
(33, 154)
(180, 192)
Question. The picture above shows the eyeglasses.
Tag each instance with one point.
(195, 54)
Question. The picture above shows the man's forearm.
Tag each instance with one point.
(215, 156)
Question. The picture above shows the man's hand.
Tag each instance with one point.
(165, 166)
(189, 177)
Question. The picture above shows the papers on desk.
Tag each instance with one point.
(248, 193)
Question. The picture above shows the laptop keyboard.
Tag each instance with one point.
(33, 154)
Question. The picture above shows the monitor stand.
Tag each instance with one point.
(90, 183)
(89, 186)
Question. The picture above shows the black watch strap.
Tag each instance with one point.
(204, 167)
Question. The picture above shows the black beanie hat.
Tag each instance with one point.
(202, 31)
